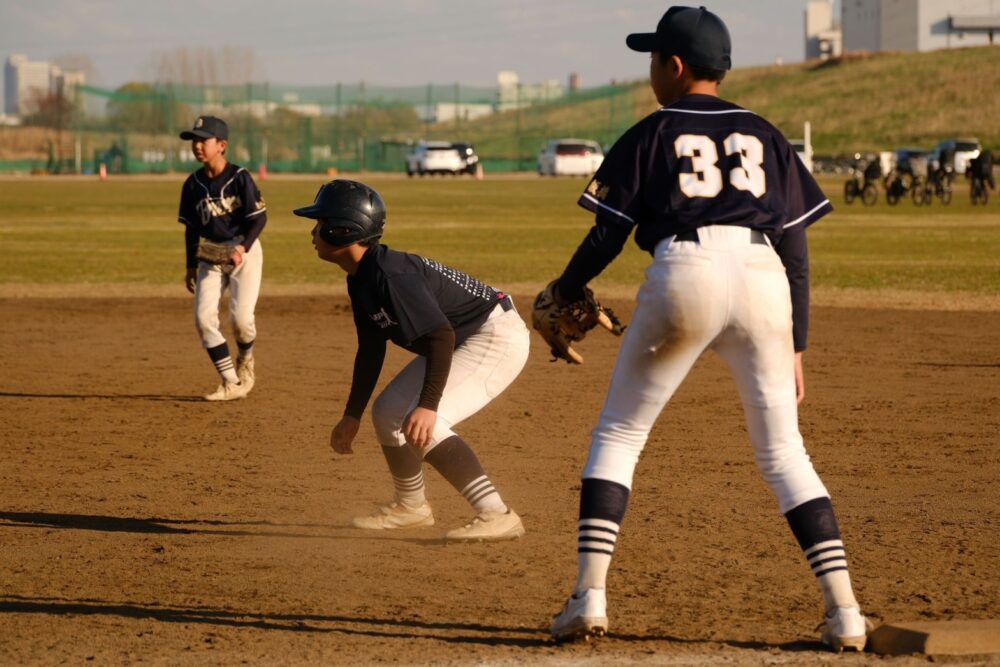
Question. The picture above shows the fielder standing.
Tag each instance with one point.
(223, 215)
(720, 200)
(470, 345)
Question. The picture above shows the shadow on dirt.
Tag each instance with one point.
(459, 633)
(162, 526)
(110, 397)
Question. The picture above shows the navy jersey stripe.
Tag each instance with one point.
(825, 203)
(593, 200)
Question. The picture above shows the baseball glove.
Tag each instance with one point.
(563, 323)
(216, 253)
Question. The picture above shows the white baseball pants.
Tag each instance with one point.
(729, 295)
(244, 288)
(482, 367)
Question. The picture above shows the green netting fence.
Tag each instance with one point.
(346, 127)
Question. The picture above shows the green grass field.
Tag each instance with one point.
(512, 232)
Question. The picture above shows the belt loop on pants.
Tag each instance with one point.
(504, 304)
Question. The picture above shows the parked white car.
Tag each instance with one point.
(441, 157)
(570, 157)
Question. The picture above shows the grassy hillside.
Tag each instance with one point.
(858, 103)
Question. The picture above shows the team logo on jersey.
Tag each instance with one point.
(383, 319)
(217, 207)
(598, 190)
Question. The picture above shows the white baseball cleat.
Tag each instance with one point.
(845, 628)
(245, 372)
(582, 617)
(489, 527)
(396, 515)
(228, 391)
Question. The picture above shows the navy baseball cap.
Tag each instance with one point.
(697, 36)
(207, 127)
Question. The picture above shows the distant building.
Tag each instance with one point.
(24, 80)
(918, 25)
(511, 93)
(823, 35)
(443, 112)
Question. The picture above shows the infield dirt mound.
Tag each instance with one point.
(141, 524)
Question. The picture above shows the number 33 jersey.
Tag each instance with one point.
(704, 161)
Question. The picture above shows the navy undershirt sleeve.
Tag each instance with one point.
(254, 211)
(602, 244)
(367, 367)
(794, 253)
(191, 246)
(437, 347)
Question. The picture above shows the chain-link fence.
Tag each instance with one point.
(355, 127)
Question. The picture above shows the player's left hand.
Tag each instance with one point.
(800, 379)
(237, 257)
(418, 427)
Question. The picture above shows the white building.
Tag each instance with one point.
(918, 25)
(442, 112)
(511, 93)
(823, 36)
(24, 81)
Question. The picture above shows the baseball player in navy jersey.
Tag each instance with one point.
(470, 345)
(719, 199)
(220, 203)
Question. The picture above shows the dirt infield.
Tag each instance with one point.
(139, 524)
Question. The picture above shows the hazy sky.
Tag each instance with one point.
(392, 42)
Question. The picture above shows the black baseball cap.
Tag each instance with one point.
(207, 127)
(696, 35)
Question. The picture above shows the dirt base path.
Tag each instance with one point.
(138, 523)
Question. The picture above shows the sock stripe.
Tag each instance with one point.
(832, 569)
(488, 490)
(594, 540)
(599, 529)
(824, 553)
(816, 548)
(591, 550)
(818, 563)
(826, 558)
(409, 483)
(474, 484)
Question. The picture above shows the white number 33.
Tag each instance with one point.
(705, 179)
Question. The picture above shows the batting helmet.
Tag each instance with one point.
(347, 211)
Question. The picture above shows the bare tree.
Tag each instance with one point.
(227, 66)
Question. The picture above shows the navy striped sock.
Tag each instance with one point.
(602, 508)
(814, 525)
(457, 463)
(223, 363)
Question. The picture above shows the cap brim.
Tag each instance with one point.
(644, 42)
(307, 212)
(196, 134)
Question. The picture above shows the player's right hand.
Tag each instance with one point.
(189, 279)
(343, 435)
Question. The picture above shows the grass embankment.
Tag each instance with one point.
(80, 237)
(866, 102)
(860, 103)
